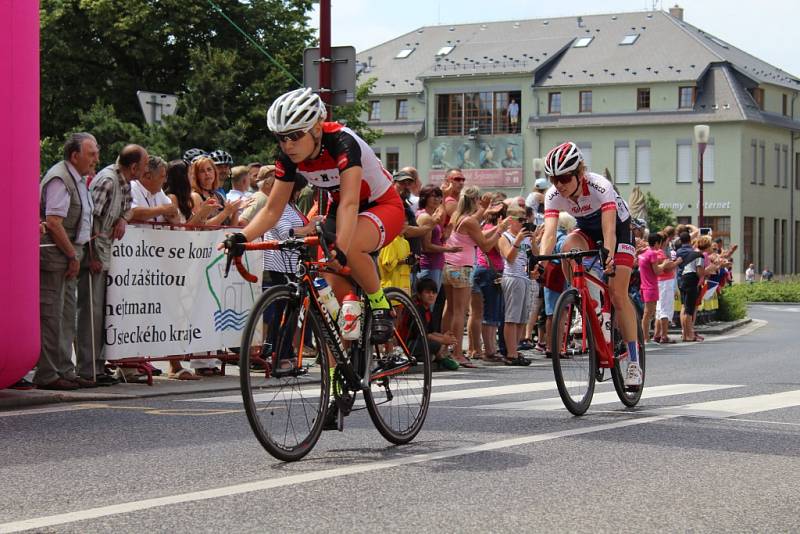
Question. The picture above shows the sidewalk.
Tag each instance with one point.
(11, 399)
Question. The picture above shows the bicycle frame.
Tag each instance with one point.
(579, 282)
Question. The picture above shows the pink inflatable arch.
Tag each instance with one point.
(19, 239)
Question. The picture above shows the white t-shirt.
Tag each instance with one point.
(142, 198)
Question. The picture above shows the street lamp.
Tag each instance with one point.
(701, 135)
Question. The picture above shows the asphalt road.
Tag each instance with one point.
(713, 447)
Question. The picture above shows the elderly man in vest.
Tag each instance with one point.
(66, 209)
(111, 196)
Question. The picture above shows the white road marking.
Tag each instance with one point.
(52, 409)
(607, 397)
(732, 407)
(262, 485)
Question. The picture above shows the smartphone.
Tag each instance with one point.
(705, 231)
(528, 226)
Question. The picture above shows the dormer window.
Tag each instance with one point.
(583, 42)
(629, 39)
(443, 51)
(404, 53)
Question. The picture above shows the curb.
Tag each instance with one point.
(716, 328)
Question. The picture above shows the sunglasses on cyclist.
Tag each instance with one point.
(294, 136)
(563, 179)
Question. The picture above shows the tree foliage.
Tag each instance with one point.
(657, 217)
(95, 55)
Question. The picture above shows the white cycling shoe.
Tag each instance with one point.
(633, 376)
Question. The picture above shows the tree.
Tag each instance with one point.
(352, 114)
(95, 55)
(657, 217)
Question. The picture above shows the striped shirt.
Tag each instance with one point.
(519, 268)
(283, 261)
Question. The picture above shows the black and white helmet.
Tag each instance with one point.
(193, 153)
(563, 159)
(296, 110)
(220, 157)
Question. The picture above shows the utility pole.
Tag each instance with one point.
(325, 55)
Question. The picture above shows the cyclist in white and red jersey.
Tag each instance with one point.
(365, 212)
(602, 215)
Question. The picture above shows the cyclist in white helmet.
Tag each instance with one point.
(365, 211)
(602, 215)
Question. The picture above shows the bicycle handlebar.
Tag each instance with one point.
(575, 255)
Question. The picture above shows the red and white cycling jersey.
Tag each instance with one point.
(597, 195)
(341, 150)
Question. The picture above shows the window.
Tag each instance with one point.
(763, 177)
(583, 42)
(754, 154)
(643, 99)
(643, 175)
(784, 246)
(585, 101)
(629, 39)
(777, 165)
(747, 242)
(554, 103)
(720, 227)
(776, 246)
(586, 149)
(478, 112)
(377, 151)
(404, 53)
(402, 109)
(758, 96)
(708, 162)
(684, 167)
(684, 219)
(374, 110)
(785, 102)
(392, 161)
(797, 171)
(796, 246)
(760, 264)
(622, 162)
(785, 166)
(443, 51)
(449, 114)
(686, 97)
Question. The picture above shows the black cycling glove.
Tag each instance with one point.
(234, 244)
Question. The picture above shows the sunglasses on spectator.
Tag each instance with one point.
(294, 136)
(522, 219)
(458, 179)
(563, 179)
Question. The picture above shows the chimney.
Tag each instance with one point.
(676, 12)
(580, 22)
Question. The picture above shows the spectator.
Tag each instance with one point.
(414, 187)
(513, 116)
(431, 260)
(692, 274)
(179, 192)
(766, 275)
(205, 184)
(466, 234)
(413, 233)
(252, 173)
(750, 274)
(111, 196)
(148, 201)
(266, 178)
(488, 279)
(223, 162)
(65, 206)
(515, 246)
(451, 187)
(553, 278)
(536, 197)
(665, 308)
(651, 264)
(425, 297)
(240, 184)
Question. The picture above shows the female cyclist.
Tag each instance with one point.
(601, 214)
(365, 212)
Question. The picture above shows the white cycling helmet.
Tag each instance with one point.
(296, 110)
(563, 159)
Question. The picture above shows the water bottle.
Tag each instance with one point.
(326, 297)
(606, 325)
(350, 317)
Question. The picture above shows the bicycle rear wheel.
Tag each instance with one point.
(629, 396)
(573, 352)
(400, 374)
(285, 408)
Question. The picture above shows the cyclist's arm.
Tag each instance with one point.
(267, 217)
(347, 212)
(549, 237)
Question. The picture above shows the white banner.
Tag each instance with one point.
(166, 294)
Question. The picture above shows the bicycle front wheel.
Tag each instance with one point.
(573, 352)
(285, 405)
(400, 374)
(628, 395)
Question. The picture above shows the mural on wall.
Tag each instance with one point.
(490, 161)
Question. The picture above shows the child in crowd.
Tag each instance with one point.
(425, 298)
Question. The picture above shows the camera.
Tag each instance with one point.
(705, 231)
(528, 226)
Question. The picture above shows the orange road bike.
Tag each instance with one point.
(292, 334)
(581, 347)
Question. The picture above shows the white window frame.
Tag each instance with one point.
(644, 162)
(622, 161)
(683, 161)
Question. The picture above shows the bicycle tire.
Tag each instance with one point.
(629, 397)
(400, 418)
(286, 413)
(574, 366)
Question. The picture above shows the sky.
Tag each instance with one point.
(766, 29)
